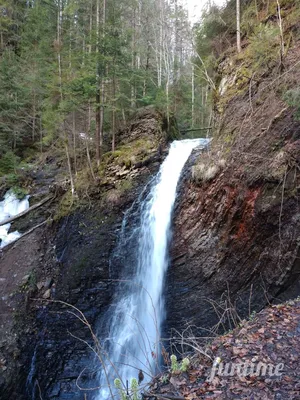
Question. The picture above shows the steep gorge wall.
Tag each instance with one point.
(235, 245)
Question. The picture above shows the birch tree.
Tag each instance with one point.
(238, 26)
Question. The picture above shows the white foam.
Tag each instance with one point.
(137, 317)
(10, 207)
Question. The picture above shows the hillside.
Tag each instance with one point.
(270, 338)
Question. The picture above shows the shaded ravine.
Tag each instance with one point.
(137, 312)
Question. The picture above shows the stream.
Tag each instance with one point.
(137, 313)
(9, 207)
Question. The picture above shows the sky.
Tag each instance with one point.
(195, 7)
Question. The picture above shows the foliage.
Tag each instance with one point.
(8, 162)
(185, 363)
(61, 77)
(19, 192)
(134, 389)
(176, 366)
(174, 363)
(264, 45)
(292, 97)
(118, 385)
(57, 73)
(13, 102)
(11, 180)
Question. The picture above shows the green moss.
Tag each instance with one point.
(12, 179)
(124, 185)
(67, 204)
(19, 192)
(127, 155)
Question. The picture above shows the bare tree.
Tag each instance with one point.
(281, 32)
(59, 63)
(238, 26)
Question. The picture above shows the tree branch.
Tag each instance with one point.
(12, 219)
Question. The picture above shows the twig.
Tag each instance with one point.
(27, 233)
(40, 392)
(164, 396)
(280, 215)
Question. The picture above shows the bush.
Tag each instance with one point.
(19, 192)
(8, 163)
(292, 98)
(174, 363)
(185, 365)
(264, 45)
(249, 20)
(11, 180)
(134, 390)
(179, 367)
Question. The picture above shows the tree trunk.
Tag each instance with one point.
(133, 63)
(66, 141)
(41, 134)
(87, 138)
(238, 26)
(193, 96)
(102, 81)
(23, 213)
(281, 33)
(33, 116)
(74, 142)
(98, 117)
(113, 139)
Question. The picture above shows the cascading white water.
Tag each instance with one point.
(10, 207)
(136, 317)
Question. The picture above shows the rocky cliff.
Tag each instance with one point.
(235, 244)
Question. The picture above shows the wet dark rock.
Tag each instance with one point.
(72, 263)
(48, 283)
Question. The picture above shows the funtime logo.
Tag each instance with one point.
(244, 369)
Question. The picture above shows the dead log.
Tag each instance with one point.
(37, 205)
(195, 129)
(11, 244)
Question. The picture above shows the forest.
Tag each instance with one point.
(73, 72)
(149, 199)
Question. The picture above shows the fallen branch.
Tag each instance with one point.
(162, 396)
(195, 129)
(12, 219)
(26, 233)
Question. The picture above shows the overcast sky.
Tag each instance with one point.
(195, 7)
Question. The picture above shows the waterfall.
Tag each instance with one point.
(137, 313)
(10, 207)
